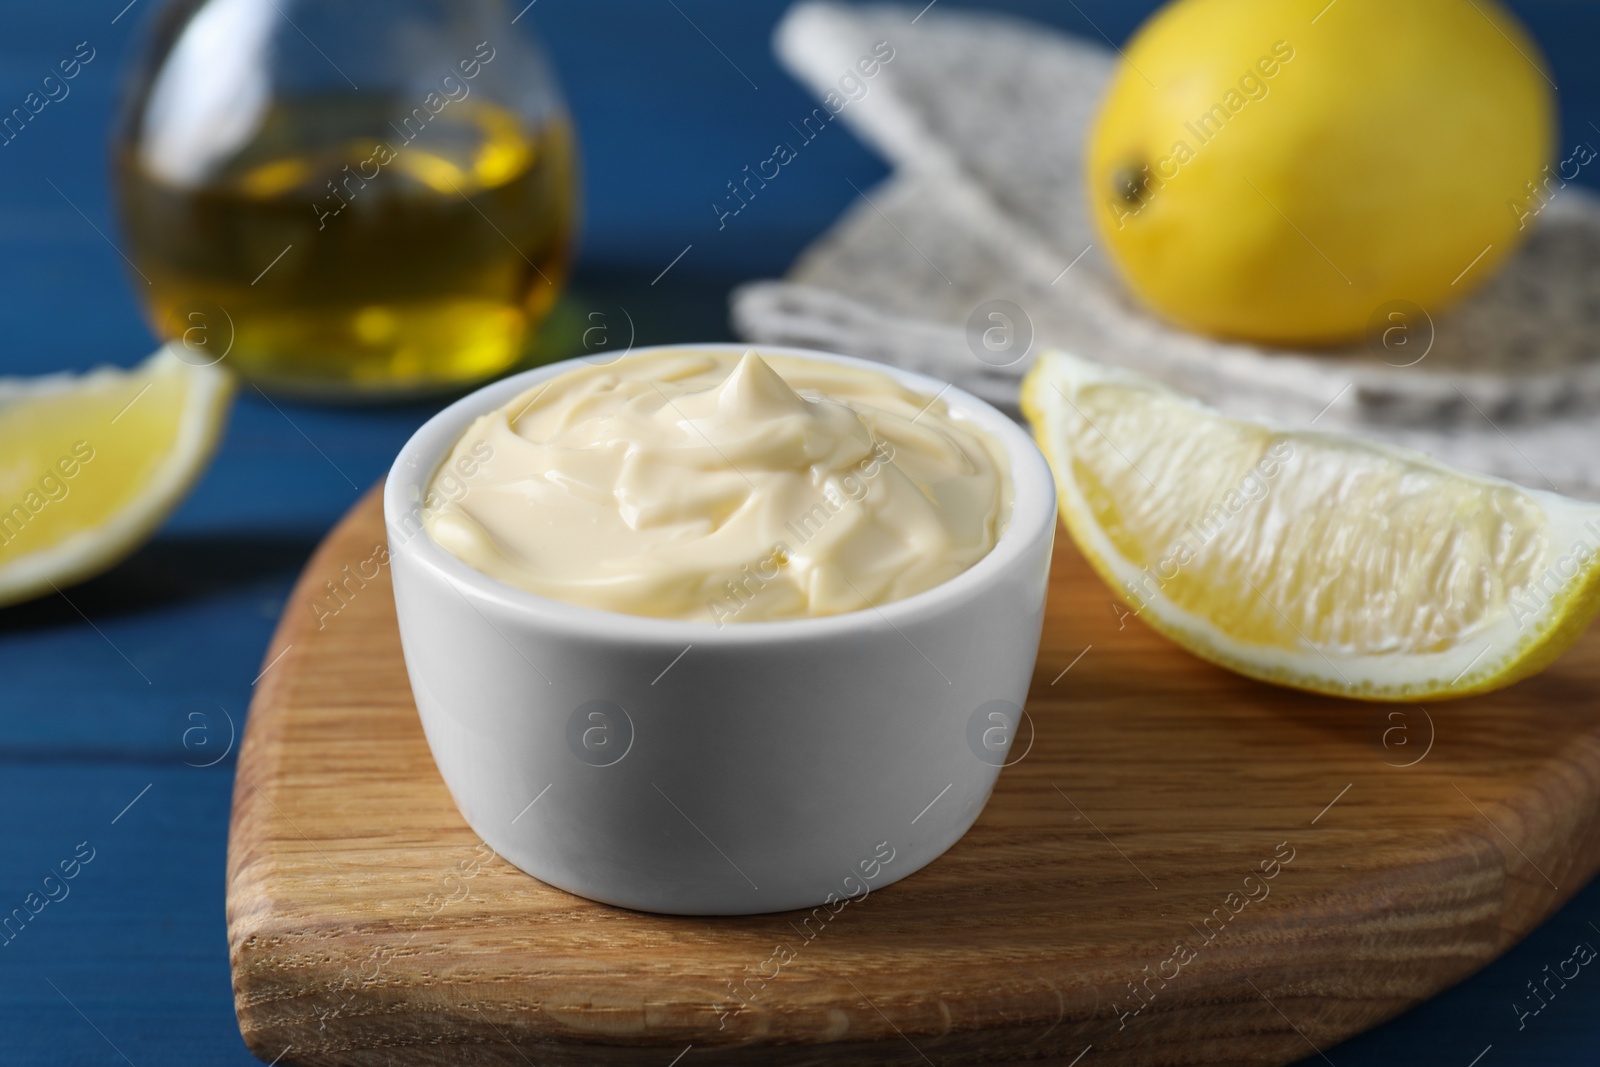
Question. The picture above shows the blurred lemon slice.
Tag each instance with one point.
(90, 464)
(1310, 560)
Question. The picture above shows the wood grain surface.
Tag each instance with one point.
(1186, 867)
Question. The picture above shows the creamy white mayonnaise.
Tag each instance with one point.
(721, 488)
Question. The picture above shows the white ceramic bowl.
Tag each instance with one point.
(680, 767)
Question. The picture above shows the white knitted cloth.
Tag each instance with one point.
(984, 117)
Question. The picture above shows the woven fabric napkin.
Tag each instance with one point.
(983, 118)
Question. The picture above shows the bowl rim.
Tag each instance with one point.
(1033, 513)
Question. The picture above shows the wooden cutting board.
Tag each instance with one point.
(1186, 867)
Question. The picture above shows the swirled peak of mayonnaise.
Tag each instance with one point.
(721, 488)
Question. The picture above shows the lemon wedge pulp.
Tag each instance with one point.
(1311, 560)
(90, 464)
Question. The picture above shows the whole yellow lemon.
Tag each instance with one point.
(1279, 170)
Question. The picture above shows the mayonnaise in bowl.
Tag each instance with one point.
(719, 486)
(687, 492)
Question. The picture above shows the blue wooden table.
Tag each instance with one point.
(119, 712)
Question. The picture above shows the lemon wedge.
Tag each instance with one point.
(1311, 560)
(90, 464)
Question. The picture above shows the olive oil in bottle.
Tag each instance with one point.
(355, 245)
